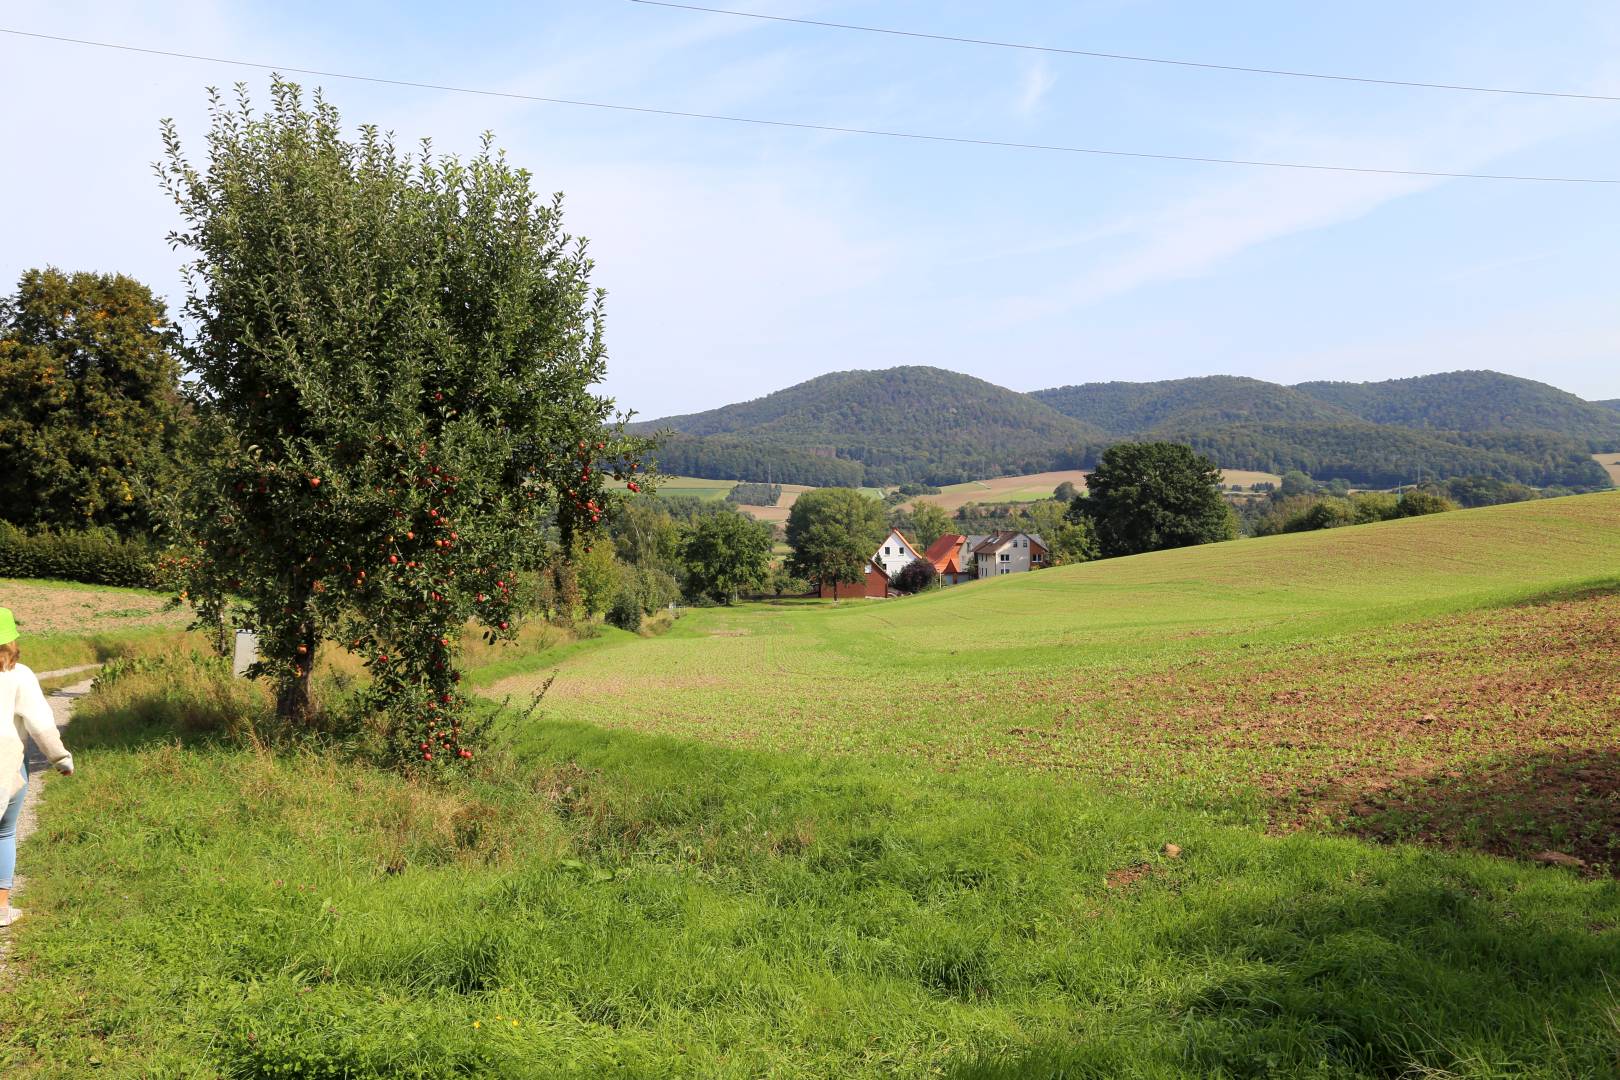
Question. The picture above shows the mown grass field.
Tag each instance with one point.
(919, 838)
(1611, 465)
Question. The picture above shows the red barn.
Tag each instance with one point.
(876, 585)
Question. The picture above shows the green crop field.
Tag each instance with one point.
(694, 486)
(1267, 808)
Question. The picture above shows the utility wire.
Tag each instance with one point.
(830, 128)
(1126, 56)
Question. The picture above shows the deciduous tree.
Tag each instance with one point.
(90, 405)
(833, 532)
(1151, 496)
(393, 363)
(929, 522)
(724, 554)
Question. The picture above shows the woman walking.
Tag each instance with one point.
(23, 700)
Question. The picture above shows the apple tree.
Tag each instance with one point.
(392, 357)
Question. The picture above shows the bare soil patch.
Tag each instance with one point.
(45, 607)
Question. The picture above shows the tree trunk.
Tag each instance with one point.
(295, 700)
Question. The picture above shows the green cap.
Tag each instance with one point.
(8, 626)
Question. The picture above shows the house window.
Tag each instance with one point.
(902, 549)
(1006, 557)
(1004, 570)
(886, 550)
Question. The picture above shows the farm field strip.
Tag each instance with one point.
(1611, 465)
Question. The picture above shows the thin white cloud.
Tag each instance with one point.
(1037, 81)
(1192, 235)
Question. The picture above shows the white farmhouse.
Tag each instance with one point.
(896, 553)
(1009, 553)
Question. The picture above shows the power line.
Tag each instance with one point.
(828, 128)
(1126, 56)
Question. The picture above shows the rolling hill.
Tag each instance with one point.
(1126, 408)
(1472, 401)
(930, 425)
(877, 427)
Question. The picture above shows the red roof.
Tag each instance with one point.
(943, 553)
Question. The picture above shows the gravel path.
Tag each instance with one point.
(62, 702)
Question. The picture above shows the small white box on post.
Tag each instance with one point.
(247, 652)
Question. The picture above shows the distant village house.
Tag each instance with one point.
(955, 558)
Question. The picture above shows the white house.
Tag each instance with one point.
(896, 552)
(1009, 553)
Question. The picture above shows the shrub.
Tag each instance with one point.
(94, 557)
(625, 611)
(1329, 513)
(1419, 503)
(915, 576)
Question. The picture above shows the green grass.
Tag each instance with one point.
(917, 838)
(1271, 681)
(649, 907)
(696, 487)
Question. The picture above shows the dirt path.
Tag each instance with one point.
(62, 702)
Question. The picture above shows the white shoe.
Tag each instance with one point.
(10, 916)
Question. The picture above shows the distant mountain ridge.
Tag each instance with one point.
(926, 424)
(1470, 401)
(901, 424)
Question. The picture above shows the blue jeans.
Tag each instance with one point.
(8, 833)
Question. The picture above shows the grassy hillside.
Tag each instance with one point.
(1040, 826)
(1297, 659)
(900, 424)
(1472, 401)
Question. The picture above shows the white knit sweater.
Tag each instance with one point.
(23, 700)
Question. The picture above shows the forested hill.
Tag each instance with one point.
(876, 427)
(929, 425)
(1466, 423)
(1472, 401)
(1126, 408)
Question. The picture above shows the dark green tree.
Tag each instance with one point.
(90, 407)
(1152, 496)
(833, 532)
(393, 359)
(915, 576)
(724, 554)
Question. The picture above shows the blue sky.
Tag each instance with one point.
(740, 259)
